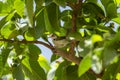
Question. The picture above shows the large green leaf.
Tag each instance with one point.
(110, 7)
(111, 10)
(9, 31)
(33, 54)
(51, 21)
(27, 69)
(29, 8)
(18, 73)
(20, 8)
(44, 63)
(84, 65)
(3, 59)
(60, 73)
(40, 23)
(108, 56)
(6, 7)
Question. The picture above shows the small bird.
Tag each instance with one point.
(59, 42)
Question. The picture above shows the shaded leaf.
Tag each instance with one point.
(3, 21)
(111, 71)
(60, 2)
(71, 72)
(108, 56)
(60, 73)
(33, 61)
(40, 23)
(111, 10)
(18, 73)
(29, 8)
(51, 21)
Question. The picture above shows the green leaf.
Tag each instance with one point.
(88, 76)
(117, 1)
(117, 20)
(37, 70)
(111, 71)
(30, 35)
(111, 10)
(39, 3)
(47, 22)
(33, 54)
(71, 72)
(9, 31)
(40, 23)
(3, 21)
(28, 72)
(60, 2)
(44, 63)
(34, 51)
(1, 65)
(51, 21)
(84, 65)
(105, 2)
(18, 73)
(20, 8)
(60, 73)
(29, 8)
(66, 15)
(75, 35)
(54, 57)
(108, 55)
(96, 38)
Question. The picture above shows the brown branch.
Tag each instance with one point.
(76, 8)
(25, 42)
(68, 57)
(55, 51)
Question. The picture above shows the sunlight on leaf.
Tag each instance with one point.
(117, 1)
(96, 38)
(20, 8)
(84, 65)
(118, 76)
(43, 62)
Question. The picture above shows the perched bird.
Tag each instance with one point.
(59, 42)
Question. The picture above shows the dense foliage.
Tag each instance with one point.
(92, 28)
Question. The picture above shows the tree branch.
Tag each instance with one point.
(68, 57)
(76, 8)
(54, 50)
(25, 42)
